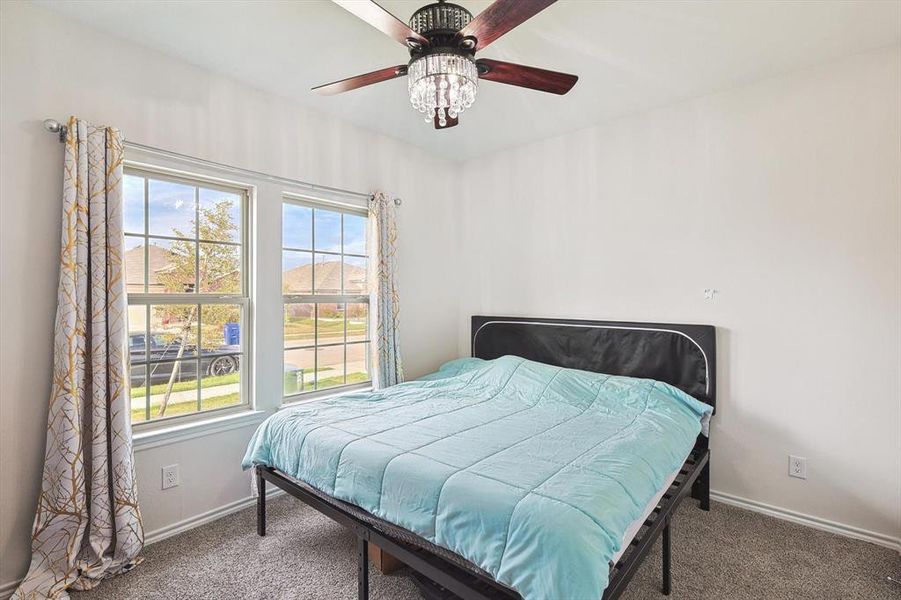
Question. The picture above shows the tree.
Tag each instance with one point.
(218, 271)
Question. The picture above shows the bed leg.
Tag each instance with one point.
(362, 569)
(261, 503)
(667, 560)
(701, 488)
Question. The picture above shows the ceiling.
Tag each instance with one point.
(629, 55)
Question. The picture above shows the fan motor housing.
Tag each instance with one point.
(440, 18)
(441, 23)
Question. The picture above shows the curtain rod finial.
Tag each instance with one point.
(54, 126)
(398, 202)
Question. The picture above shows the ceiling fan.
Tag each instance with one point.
(443, 38)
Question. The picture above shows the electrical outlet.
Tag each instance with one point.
(170, 477)
(797, 467)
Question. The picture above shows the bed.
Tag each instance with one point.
(544, 466)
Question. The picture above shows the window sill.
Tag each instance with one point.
(181, 432)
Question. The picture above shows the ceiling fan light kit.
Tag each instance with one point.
(442, 85)
(443, 38)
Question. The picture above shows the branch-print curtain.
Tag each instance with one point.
(383, 235)
(88, 525)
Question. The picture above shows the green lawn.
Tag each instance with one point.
(181, 386)
(189, 406)
(339, 380)
(186, 407)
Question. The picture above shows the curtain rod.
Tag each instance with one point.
(54, 126)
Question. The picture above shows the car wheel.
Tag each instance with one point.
(223, 365)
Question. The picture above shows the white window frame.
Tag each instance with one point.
(315, 299)
(243, 299)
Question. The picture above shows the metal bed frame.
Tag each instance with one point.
(562, 342)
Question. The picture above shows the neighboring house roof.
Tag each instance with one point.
(299, 280)
(157, 262)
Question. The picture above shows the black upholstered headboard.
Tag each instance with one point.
(681, 355)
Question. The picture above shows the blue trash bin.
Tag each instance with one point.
(232, 334)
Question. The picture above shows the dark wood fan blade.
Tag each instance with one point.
(352, 83)
(501, 17)
(383, 20)
(527, 77)
(451, 122)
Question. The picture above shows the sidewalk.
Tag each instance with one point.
(187, 395)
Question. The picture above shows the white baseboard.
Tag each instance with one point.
(209, 516)
(785, 514)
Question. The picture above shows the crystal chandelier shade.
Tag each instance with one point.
(442, 85)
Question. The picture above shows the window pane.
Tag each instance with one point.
(330, 324)
(171, 209)
(137, 333)
(220, 216)
(187, 356)
(336, 267)
(328, 230)
(355, 275)
(358, 363)
(327, 274)
(299, 370)
(220, 268)
(297, 226)
(138, 392)
(297, 272)
(173, 331)
(298, 324)
(354, 234)
(133, 259)
(221, 329)
(329, 367)
(170, 266)
(173, 388)
(220, 382)
(357, 315)
(133, 204)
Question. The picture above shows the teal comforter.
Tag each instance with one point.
(529, 471)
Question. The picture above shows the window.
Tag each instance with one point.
(186, 282)
(326, 298)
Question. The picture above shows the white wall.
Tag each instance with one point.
(784, 196)
(54, 68)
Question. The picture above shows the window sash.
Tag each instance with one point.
(307, 250)
(315, 346)
(244, 375)
(196, 181)
(196, 297)
(172, 238)
(308, 202)
(318, 299)
(325, 298)
(332, 206)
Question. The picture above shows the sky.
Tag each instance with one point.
(171, 209)
(298, 226)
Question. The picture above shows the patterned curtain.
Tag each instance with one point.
(383, 234)
(88, 525)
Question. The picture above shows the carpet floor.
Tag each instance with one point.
(727, 553)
